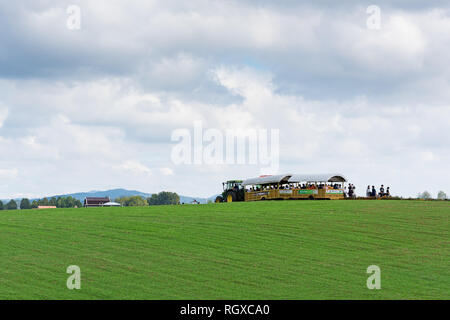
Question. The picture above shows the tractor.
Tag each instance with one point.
(232, 191)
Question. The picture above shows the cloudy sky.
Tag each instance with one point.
(95, 108)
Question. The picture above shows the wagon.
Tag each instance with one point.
(295, 186)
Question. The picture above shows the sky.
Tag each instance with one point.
(93, 101)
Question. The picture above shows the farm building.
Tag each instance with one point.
(46, 207)
(95, 201)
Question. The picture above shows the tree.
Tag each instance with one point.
(11, 205)
(133, 201)
(137, 201)
(52, 202)
(69, 202)
(60, 202)
(163, 198)
(122, 200)
(442, 195)
(153, 200)
(25, 204)
(1, 205)
(168, 198)
(424, 195)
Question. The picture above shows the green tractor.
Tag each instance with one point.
(232, 191)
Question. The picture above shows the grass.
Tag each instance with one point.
(261, 250)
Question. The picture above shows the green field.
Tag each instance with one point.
(261, 250)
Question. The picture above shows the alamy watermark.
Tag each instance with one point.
(374, 20)
(374, 280)
(74, 280)
(74, 17)
(216, 147)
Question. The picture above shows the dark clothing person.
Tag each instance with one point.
(381, 191)
(374, 192)
(350, 190)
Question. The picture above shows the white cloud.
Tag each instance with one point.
(166, 171)
(3, 115)
(9, 173)
(135, 167)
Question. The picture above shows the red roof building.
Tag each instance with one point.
(95, 201)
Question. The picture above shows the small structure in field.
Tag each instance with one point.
(111, 204)
(95, 201)
(46, 207)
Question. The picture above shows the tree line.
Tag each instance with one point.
(162, 198)
(11, 205)
(59, 202)
(427, 196)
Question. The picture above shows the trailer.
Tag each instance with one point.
(295, 186)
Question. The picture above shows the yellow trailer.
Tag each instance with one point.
(295, 186)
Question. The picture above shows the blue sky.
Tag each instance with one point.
(95, 108)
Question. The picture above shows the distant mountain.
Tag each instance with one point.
(112, 194)
(117, 193)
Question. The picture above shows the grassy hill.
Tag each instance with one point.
(263, 250)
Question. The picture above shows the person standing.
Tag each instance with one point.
(368, 192)
(374, 192)
(381, 191)
(351, 190)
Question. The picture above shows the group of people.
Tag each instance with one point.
(268, 187)
(372, 192)
(348, 192)
(292, 186)
(308, 186)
